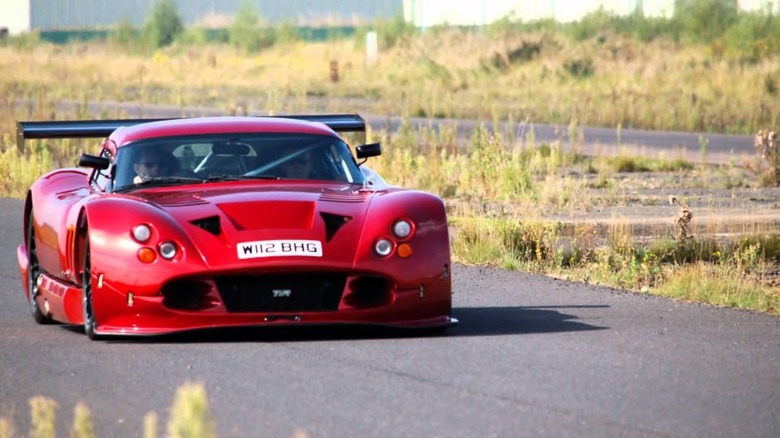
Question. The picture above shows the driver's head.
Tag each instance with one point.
(299, 167)
(152, 163)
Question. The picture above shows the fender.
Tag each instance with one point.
(428, 214)
(55, 200)
(108, 224)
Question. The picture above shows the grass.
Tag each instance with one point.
(740, 272)
(189, 417)
(662, 84)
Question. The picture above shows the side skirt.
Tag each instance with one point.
(60, 301)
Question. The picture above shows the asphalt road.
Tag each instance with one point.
(720, 148)
(532, 356)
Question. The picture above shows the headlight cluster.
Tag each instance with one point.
(383, 247)
(142, 233)
(400, 231)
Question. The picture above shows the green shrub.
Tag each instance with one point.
(25, 40)
(393, 31)
(163, 24)
(246, 31)
(754, 37)
(592, 24)
(579, 67)
(286, 33)
(125, 36)
(705, 20)
(194, 36)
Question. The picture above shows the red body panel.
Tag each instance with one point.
(134, 297)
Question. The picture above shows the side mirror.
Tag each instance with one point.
(94, 162)
(369, 150)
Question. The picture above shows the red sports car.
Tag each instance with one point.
(198, 223)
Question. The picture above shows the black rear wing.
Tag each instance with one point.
(104, 128)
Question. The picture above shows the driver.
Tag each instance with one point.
(153, 162)
(299, 167)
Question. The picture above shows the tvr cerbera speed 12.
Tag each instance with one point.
(197, 223)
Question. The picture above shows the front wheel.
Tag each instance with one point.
(34, 274)
(90, 324)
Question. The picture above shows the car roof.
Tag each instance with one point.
(217, 125)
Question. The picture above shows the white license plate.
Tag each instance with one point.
(279, 248)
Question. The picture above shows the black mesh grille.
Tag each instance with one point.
(281, 293)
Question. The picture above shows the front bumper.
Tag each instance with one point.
(197, 304)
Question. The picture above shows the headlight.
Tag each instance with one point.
(168, 250)
(142, 233)
(402, 229)
(383, 247)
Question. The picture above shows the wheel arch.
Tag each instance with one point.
(28, 206)
(80, 244)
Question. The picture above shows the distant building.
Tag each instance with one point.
(426, 13)
(24, 15)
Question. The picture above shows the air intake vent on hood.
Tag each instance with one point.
(333, 222)
(210, 224)
(342, 197)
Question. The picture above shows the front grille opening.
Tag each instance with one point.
(189, 295)
(367, 292)
(295, 292)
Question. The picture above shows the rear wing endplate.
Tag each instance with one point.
(104, 128)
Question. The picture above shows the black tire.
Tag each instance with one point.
(33, 272)
(90, 324)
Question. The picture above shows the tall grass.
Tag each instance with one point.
(189, 417)
(739, 272)
(43, 415)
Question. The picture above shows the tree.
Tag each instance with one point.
(163, 24)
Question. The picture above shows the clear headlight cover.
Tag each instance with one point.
(142, 233)
(168, 250)
(402, 229)
(383, 247)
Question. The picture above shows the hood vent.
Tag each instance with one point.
(342, 197)
(333, 222)
(210, 224)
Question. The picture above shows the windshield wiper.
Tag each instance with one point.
(238, 177)
(161, 181)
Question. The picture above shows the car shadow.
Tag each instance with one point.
(473, 321)
(492, 321)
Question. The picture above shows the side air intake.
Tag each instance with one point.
(333, 222)
(210, 224)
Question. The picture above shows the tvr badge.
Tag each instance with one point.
(281, 293)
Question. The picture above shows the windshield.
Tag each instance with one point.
(204, 158)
